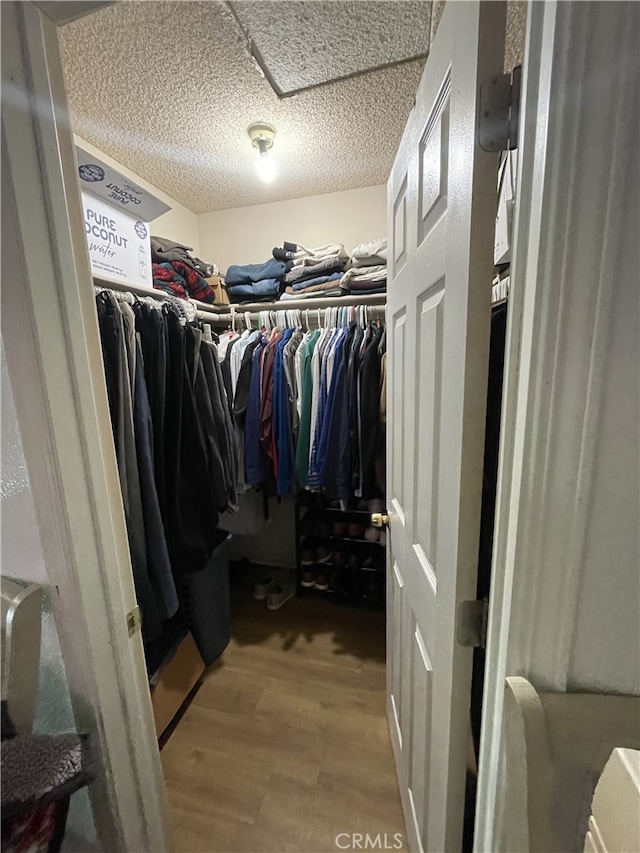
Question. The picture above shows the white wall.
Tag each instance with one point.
(246, 235)
(179, 223)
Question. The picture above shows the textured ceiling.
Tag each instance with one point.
(169, 89)
(326, 41)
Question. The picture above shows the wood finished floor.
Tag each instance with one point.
(286, 744)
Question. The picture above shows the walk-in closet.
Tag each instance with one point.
(232, 162)
(270, 387)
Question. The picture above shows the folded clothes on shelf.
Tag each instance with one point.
(377, 272)
(331, 293)
(306, 283)
(267, 289)
(253, 273)
(370, 254)
(165, 251)
(326, 266)
(181, 280)
(363, 284)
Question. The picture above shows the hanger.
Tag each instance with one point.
(247, 320)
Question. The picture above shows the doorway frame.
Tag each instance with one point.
(52, 345)
(563, 285)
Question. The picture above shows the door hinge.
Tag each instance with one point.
(134, 621)
(500, 111)
(471, 627)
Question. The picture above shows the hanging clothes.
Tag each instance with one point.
(175, 445)
(301, 399)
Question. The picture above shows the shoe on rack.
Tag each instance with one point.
(322, 581)
(279, 593)
(383, 537)
(376, 505)
(354, 563)
(308, 552)
(323, 529)
(308, 523)
(340, 559)
(372, 534)
(261, 587)
(325, 553)
(340, 528)
(309, 578)
(355, 529)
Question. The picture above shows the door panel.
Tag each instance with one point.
(441, 201)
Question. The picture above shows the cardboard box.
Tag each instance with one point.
(117, 214)
(177, 680)
(217, 283)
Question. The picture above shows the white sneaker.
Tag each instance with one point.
(261, 588)
(279, 593)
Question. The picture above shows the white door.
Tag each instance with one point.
(51, 340)
(565, 588)
(441, 214)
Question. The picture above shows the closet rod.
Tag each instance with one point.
(374, 299)
(308, 316)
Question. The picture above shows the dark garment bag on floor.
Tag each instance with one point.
(206, 604)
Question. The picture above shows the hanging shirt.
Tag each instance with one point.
(302, 447)
(335, 468)
(254, 468)
(299, 370)
(288, 358)
(354, 411)
(266, 403)
(334, 358)
(314, 476)
(370, 412)
(317, 372)
(281, 420)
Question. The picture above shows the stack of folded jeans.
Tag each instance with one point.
(367, 273)
(315, 272)
(256, 282)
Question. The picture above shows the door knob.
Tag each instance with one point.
(379, 519)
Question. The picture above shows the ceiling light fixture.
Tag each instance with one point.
(261, 136)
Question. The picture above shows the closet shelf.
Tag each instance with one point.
(337, 509)
(224, 312)
(318, 566)
(374, 299)
(350, 540)
(142, 290)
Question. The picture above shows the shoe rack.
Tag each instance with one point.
(339, 554)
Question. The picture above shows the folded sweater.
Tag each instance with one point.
(362, 284)
(327, 266)
(251, 273)
(373, 273)
(313, 294)
(308, 257)
(267, 288)
(318, 279)
(370, 254)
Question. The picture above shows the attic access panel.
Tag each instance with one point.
(301, 44)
